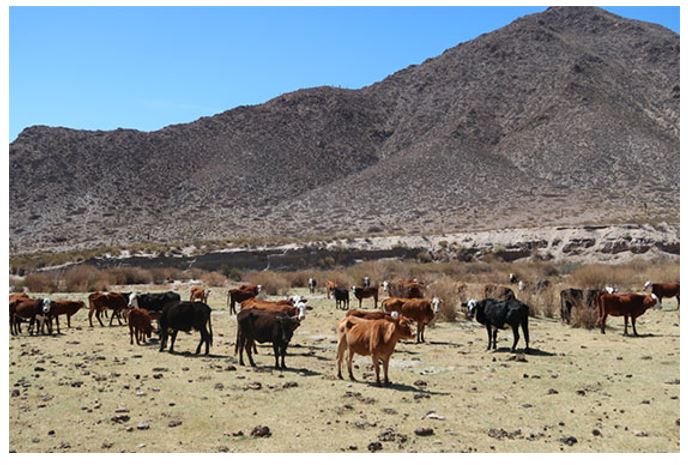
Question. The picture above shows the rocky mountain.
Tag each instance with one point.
(570, 116)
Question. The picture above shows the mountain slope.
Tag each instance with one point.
(567, 116)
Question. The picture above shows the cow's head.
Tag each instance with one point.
(133, 300)
(471, 305)
(206, 293)
(301, 306)
(287, 325)
(295, 299)
(385, 286)
(521, 285)
(402, 328)
(47, 303)
(647, 286)
(656, 302)
(610, 289)
(353, 288)
(435, 304)
(259, 288)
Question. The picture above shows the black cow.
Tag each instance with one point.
(262, 326)
(185, 316)
(153, 302)
(364, 293)
(496, 314)
(341, 297)
(312, 284)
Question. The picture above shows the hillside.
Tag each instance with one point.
(566, 117)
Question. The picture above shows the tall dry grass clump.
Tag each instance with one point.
(627, 276)
(544, 303)
(42, 282)
(584, 317)
(130, 275)
(85, 278)
(445, 289)
(273, 283)
(214, 279)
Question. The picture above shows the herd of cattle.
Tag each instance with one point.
(362, 332)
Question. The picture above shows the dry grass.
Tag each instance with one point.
(627, 276)
(584, 317)
(42, 282)
(273, 283)
(84, 278)
(445, 289)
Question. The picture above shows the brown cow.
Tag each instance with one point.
(330, 286)
(376, 338)
(369, 315)
(15, 322)
(34, 310)
(65, 307)
(139, 325)
(243, 292)
(422, 311)
(662, 290)
(199, 293)
(19, 296)
(493, 291)
(364, 293)
(625, 305)
(109, 300)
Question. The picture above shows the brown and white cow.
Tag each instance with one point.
(662, 290)
(330, 286)
(422, 311)
(238, 295)
(199, 293)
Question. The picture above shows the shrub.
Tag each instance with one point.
(446, 289)
(273, 283)
(85, 278)
(42, 282)
(214, 278)
(584, 317)
(230, 272)
(130, 275)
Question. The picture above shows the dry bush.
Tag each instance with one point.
(274, 283)
(166, 275)
(544, 303)
(377, 271)
(585, 317)
(42, 282)
(445, 289)
(213, 278)
(627, 276)
(85, 278)
(300, 278)
(338, 276)
(130, 275)
(16, 284)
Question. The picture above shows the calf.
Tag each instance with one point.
(662, 290)
(185, 316)
(374, 337)
(65, 307)
(139, 325)
(263, 326)
(312, 284)
(341, 297)
(330, 286)
(496, 314)
(199, 293)
(364, 293)
(626, 305)
(493, 291)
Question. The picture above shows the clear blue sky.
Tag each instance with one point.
(145, 68)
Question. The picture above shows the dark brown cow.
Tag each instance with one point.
(422, 311)
(240, 294)
(65, 307)
(34, 310)
(108, 300)
(364, 293)
(581, 299)
(493, 291)
(140, 325)
(626, 305)
(662, 290)
(264, 326)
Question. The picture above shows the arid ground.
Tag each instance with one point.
(578, 391)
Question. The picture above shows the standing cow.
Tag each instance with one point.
(264, 326)
(312, 284)
(626, 305)
(496, 315)
(185, 316)
(662, 290)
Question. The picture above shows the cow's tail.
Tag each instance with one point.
(210, 327)
(236, 345)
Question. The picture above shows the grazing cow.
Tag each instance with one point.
(199, 293)
(341, 297)
(377, 315)
(374, 337)
(35, 310)
(493, 291)
(662, 290)
(262, 326)
(330, 286)
(364, 293)
(100, 301)
(65, 307)
(154, 302)
(625, 305)
(139, 325)
(312, 284)
(239, 295)
(365, 281)
(185, 316)
(495, 315)
(407, 289)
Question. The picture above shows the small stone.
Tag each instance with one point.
(106, 445)
(223, 449)
(230, 368)
(424, 431)
(143, 426)
(552, 391)
(120, 418)
(261, 432)
(51, 432)
(174, 423)
(16, 393)
(420, 383)
(254, 385)
(219, 386)
(596, 432)
(569, 440)
(641, 434)
(290, 384)
(375, 446)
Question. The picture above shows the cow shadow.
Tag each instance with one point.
(406, 388)
(529, 351)
(271, 369)
(189, 354)
(444, 343)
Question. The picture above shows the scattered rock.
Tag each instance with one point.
(16, 393)
(230, 368)
(223, 449)
(254, 385)
(174, 423)
(596, 432)
(106, 445)
(424, 431)
(552, 391)
(353, 447)
(51, 432)
(517, 358)
(375, 446)
(219, 386)
(641, 434)
(501, 433)
(434, 416)
(569, 440)
(143, 426)
(261, 431)
(120, 418)
(389, 411)
(420, 383)
(65, 445)
(387, 435)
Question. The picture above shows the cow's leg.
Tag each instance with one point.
(284, 354)
(524, 326)
(90, 316)
(98, 317)
(205, 337)
(276, 350)
(603, 322)
(163, 338)
(376, 364)
(489, 337)
(247, 346)
(375, 302)
(494, 339)
(385, 367)
(516, 337)
(349, 364)
(240, 347)
(625, 325)
(341, 348)
(131, 335)
(173, 337)
(254, 347)
(69, 320)
(419, 330)
(635, 333)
